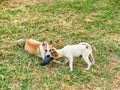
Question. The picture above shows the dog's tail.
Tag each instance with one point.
(21, 41)
(57, 44)
(88, 46)
(92, 58)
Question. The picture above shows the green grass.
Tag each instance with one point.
(70, 21)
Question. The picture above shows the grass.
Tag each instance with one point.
(70, 21)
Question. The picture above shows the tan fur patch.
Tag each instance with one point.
(32, 46)
(54, 53)
(87, 46)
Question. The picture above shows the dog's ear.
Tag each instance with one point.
(53, 49)
(44, 44)
(57, 44)
(50, 43)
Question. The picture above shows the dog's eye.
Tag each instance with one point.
(50, 50)
(45, 50)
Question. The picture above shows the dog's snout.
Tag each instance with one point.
(48, 55)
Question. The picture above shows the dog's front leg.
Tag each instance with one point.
(57, 61)
(63, 63)
(66, 61)
(70, 63)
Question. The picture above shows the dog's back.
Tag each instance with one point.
(77, 50)
(31, 46)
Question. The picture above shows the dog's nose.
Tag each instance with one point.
(48, 55)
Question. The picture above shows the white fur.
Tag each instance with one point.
(71, 51)
(42, 51)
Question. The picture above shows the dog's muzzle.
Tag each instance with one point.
(48, 56)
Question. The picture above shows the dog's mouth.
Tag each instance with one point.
(46, 60)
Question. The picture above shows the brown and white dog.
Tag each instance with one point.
(71, 51)
(37, 48)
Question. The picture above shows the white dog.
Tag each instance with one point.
(71, 51)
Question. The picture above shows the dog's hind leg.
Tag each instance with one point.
(92, 58)
(86, 59)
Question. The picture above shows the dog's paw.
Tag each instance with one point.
(87, 69)
(71, 70)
